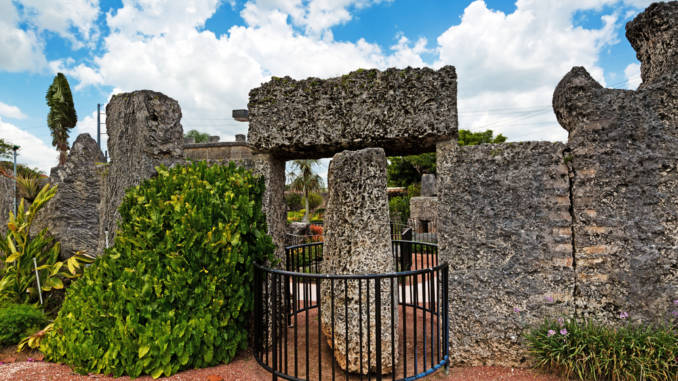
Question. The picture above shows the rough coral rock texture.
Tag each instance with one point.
(624, 155)
(428, 185)
(504, 228)
(357, 241)
(221, 152)
(653, 34)
(6, 201)
(403, 111)
(144, 131)
(273, 204)
(72, 216)
(423, 213)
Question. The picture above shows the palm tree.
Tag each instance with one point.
(303, 179)
(62, 116)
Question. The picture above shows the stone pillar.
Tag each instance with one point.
(357, 241)
(428, 185)
(6, 201)
(273, 204)
(624, 160)
(72, 215)
(144, 131)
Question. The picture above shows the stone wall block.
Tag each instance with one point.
(403, 111)
(504, 228)
(144, 131)
(357, 241)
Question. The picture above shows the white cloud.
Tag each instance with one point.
(632, 75)
(74, 20)
(33, 152)
(509, 64)
(158, 17)
(10, 111)
(20, 50)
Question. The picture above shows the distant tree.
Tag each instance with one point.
(5, 149)
(198, 136)
(405, 170)
(305, 180)
(62, 116)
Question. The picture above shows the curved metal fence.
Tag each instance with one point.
(312, 326)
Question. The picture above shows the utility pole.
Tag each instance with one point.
(14, 148)
(99, 125)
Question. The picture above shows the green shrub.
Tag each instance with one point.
(18, 321)
(314, 200)
(19, 249)
(175, 290)
(588, 350)
(399, 208)
(293, 201)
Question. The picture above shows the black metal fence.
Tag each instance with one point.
(312, 326)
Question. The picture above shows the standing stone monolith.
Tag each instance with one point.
(624, 156)
(6, 201)
(72, 216)
(428, 185)
(144, 131)
(357, 241)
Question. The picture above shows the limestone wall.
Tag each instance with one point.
(504, 227)
(221, 152)
(403, 111)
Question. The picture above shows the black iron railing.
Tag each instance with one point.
(395, 324)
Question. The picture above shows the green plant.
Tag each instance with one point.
(8, 168)
(589, 350)
(200, 137)
(399, 209)
(293, 201)
(62, 116)
(314, 200)
(305, 181)
(18, 321)
(6, 149)
(19, 252)
(29, 186)
(175, 290)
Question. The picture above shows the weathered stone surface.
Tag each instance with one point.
(273, 203)
(423, 213)
(6, 201)
(72, 216)
(624, 155)
(654, 36)
(357, 241)
(428, 185)
(297, 233)
(403, 111)
(504, 228)
(221, 152)
(144, 131)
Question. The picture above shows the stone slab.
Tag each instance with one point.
(403, 111)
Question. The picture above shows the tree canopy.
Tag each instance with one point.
(62, 116)
(305, 180)
(200, 137)
(6, 149)
(405, 170)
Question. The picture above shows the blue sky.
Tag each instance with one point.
(207, 54)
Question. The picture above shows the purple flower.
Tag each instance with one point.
(2, 363)
(549, 299)
(675, 302)
(516, 309)
(550, 333)
(30, 359)
(623, 315)
(563, 332)
(561, 321)
(675, 313)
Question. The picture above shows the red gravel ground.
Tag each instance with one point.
(17, 367)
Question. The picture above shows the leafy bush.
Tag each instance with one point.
(18, 321)
(29, 186)
(293, 201)
(175, 290)
(18, 249)
(399, 209)
(314, 200)
(588, 350)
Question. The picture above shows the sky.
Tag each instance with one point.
(208, 54)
